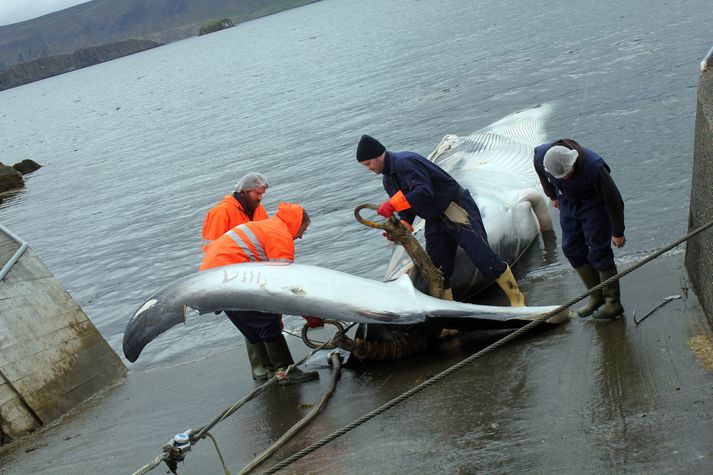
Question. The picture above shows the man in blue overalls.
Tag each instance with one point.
(418, 187)
(577, 181)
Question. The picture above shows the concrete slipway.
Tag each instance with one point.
(584, 397)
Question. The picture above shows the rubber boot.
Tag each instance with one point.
(507, 282)
(612, 297)
(259, 361)
(590, 277)
(281, 358)
(448, 294)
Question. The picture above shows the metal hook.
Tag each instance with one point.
(665, 301)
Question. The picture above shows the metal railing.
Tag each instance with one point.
(15, 257)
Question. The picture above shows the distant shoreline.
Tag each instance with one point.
(43, 68)
(97, 23)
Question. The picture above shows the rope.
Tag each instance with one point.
(201, 433)
(151, 465)
(336, 369)
(168, 456)
(400, 234)
(508, 338)
(220, 455)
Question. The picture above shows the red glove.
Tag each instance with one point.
(405, 223)
(314, 322)
(386, 209)
(408, 226)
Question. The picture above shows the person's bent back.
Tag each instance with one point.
(267, 240)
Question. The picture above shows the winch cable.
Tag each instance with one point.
(508, 338)
(173, 452)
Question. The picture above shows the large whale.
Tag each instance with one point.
(300, 289)
(495, 165)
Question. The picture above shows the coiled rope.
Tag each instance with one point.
(508, 338)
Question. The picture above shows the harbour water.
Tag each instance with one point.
(136, 150)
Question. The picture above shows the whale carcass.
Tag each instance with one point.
(495, 164)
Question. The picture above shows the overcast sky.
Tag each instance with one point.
(13, 11)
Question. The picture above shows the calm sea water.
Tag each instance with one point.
(136, 150)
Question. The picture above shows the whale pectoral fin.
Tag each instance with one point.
(539, 207)
(446, 144)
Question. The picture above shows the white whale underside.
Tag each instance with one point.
(495, 165)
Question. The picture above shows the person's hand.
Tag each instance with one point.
(314, 322)
(386, 209)
(618, 241)
(556, 203)
(405, 223)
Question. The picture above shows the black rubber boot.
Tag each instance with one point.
(612, 307)
(281, 358)
(259, 360)
(590, 277)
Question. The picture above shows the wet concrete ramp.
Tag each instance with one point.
(584, 397)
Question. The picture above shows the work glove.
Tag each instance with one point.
(386, 209)
(314, 322)
(405, 223)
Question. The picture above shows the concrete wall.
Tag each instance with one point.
(699, 250)
(51, 355)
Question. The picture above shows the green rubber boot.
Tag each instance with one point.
(612, 307)
(590, 277)
(259, 360)
(281, 358)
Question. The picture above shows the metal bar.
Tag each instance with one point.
(15, 257)
(13, 260)
(706, 63)
(11, 234)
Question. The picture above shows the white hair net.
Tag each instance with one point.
(250, 182)
(559, 161)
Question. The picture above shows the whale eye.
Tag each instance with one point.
(297, 291)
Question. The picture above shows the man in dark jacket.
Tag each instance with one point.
(577, 181)
(419, 187)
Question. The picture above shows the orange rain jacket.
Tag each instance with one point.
(267, 240)
(225, 216)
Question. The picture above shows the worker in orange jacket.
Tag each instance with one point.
(267, 240)
(243, 205)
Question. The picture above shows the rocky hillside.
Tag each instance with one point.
(36, 69)
(100, 22)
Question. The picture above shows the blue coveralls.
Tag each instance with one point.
(257, 326)
(586, 227)
(429, 190)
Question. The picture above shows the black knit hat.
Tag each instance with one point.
(368, 148)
